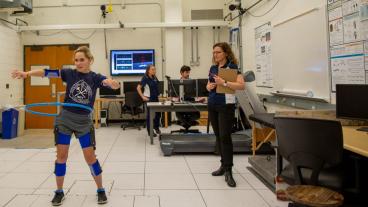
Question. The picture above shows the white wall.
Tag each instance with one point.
(173, 38)
(205, 36)
(11, 57)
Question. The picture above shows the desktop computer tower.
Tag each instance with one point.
(103, 117)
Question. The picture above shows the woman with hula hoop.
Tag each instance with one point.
(75, 116)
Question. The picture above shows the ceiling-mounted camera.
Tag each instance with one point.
(103, 10)
(235, 5)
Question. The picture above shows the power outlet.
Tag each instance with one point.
(7, 86)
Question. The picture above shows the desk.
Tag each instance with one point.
(177, 107)
(98, 104)
(355, 141)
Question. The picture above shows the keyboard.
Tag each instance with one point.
(364, 129)
(112, 96)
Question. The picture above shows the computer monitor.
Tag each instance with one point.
(131, 62)
(189, 86)
(201, 88)
(352, 101)
(161, 87)
(130, 86)
(107, 91)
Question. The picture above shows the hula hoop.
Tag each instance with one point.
(26, 108)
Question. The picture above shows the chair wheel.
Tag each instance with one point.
(139, 128)
(124, 128)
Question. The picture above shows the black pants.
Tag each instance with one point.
(222, 118)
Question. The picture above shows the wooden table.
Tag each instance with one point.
(355, 141)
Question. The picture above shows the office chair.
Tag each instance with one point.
(133, 106)
(186, 120)
(314, 149)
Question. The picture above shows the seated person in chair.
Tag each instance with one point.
(187, 119)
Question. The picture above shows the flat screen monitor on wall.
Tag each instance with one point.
(130, 62)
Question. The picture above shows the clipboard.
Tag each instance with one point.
(229, 75)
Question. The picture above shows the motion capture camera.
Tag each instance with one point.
(103, 10)
(235, 5)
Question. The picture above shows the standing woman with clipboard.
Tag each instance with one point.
(221, 104)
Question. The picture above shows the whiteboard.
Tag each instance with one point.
(300, 53)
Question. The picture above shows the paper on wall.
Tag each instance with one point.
(335, 14)
(263, 55)
(366, 56)
(347, 64)
(350, 6)
(352, 26)
(336, 32)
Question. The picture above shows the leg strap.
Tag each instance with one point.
(95, 168)
(61, 138)
(60, 169)
(88, 139)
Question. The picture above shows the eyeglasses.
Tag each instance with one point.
(217, 52)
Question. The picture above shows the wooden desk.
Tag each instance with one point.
(355, 141)
(98, 104)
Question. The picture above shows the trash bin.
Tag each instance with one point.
(10, 123)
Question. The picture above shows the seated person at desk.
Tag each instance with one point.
(187, 119)
(149, 83)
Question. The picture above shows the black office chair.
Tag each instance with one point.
(314, 149)
(134, 107)
(186, 120)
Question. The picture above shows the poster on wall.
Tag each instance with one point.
(364, 19)
(351, 25)
(366, 56)
(364, 10)
(263, 55)
(235, 41)
(335, 14)
(349, 53)
(350, 6)
(336, 32)
(347, 64)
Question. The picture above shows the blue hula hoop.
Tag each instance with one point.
(28, 106)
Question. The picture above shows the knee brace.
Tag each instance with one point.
(61, 138)
(95, 168)
(60, 169)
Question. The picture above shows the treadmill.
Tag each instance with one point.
(206, 142)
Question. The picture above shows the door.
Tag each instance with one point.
(42, 90)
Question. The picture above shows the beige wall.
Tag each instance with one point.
(11, 57)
